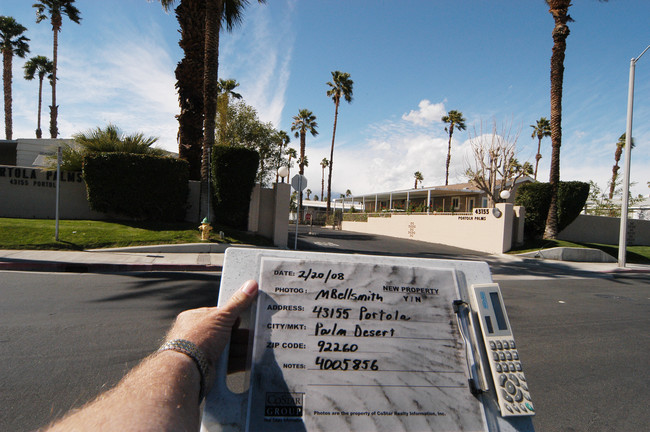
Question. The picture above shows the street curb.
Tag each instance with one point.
(67, 267)
(628, 270)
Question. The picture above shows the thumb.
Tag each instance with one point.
(241, 299)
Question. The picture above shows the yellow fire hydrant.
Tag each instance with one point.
(205, 229)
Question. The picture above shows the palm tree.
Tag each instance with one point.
(190, 15)
(308, 192)
(291, 152)
(324, 164)
(340, 86)
(559, 9)
(540, 130)
(226, 89)
(304, 122)
(55, 11)
(218, 12)
(42, 66)
(12, 42)
(283, 139)
(620, 146)
(418, 178)
(454, 119)
(108, 140)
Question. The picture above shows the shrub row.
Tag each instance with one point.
(234, 169)
(137, 186)
(536, 197)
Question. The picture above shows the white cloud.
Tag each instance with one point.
(426, 114)
(258, 55)
(390, 156)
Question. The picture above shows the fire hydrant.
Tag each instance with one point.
(205, 229)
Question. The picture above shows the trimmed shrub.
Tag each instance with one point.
(536, 197)
(139, 187)
(234, 169)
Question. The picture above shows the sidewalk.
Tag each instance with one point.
(184, 257)
(208, 257)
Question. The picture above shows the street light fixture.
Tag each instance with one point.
(622, 239)
(283, 172)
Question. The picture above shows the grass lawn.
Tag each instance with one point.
(86, 234)
(635, 254)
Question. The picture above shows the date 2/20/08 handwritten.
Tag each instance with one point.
(311, 274)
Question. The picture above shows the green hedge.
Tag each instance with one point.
(536, 197)
(234, 169)
(140, 187)
(355, 217)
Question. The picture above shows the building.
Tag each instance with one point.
(456, 198)
(28, 152)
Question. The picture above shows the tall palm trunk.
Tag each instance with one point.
(277, 168)
(329, 177)
(54, 109)
(559, 10)
(7, 60)
(451, 133)
(189, 83)
(39, 132)
(303, 135)
(538, 156)
(615, 168)
(322, 184)
(289, 170)
(214, 13)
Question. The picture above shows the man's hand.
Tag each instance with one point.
(210, 328)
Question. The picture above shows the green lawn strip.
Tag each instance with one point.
(85, 234)
(635, 254)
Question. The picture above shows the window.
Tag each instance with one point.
(470, 204)
(484, 202)
(455, 203)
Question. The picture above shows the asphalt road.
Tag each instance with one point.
(328, 240)
(584, 345)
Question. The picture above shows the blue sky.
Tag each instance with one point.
(411, 62)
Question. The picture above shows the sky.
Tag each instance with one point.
(411, 61)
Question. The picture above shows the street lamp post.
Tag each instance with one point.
(622, 239)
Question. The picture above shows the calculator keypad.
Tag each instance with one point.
(508, 375)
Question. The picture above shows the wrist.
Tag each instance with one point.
(198, 357)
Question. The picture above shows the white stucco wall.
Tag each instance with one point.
(269, 212)
(480, 230)
(30, 193)
(606, 230)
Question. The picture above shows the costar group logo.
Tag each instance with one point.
(283, 404)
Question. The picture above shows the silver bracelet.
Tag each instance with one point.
(192, 351)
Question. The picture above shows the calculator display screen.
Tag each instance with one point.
(498, 312)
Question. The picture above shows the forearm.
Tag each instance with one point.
(160, 394)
